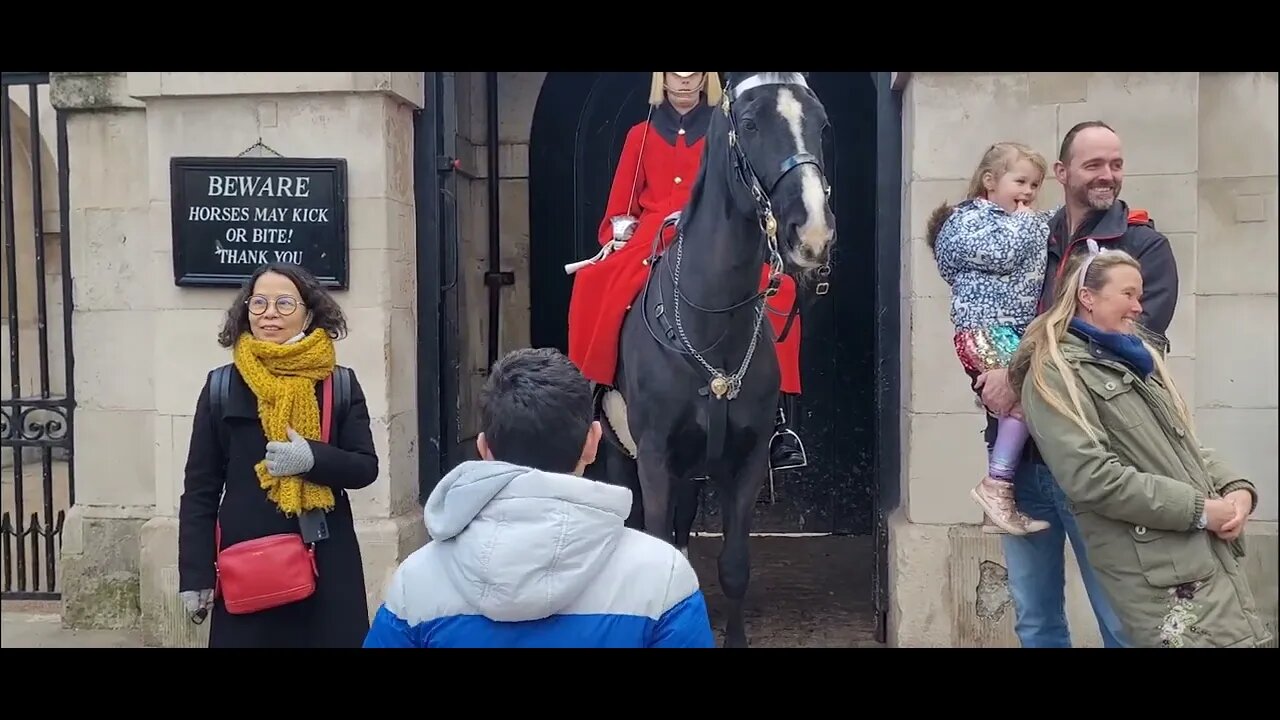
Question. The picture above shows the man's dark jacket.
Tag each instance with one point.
(1122, 229)
(1118, 228)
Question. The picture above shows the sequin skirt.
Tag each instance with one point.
(987, 348)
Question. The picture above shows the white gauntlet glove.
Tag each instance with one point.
(195, 600)
(623, 227)
(289, 458)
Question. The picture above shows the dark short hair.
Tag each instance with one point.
(1064, 152)
(325, 312)
(535, 410)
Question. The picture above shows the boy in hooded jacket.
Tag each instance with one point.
(525, 552)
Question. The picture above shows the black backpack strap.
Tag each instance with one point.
(341, 393)
(219, 389)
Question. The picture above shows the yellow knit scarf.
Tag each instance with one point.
(283, 377)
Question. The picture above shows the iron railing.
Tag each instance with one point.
(36, 418)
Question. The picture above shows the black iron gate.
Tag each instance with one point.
(36, 413)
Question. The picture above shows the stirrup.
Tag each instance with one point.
(804, 461)
(804, 456)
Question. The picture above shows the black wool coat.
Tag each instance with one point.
(221, 485)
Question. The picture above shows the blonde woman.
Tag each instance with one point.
(1162, 518)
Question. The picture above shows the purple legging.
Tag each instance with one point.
(1004, 456)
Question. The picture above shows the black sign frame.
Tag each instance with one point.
(188, 273)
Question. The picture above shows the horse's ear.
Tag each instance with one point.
(730, 79)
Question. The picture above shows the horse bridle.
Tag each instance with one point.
(727, 386)
(749, 177)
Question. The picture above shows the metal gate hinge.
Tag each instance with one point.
(496, 278)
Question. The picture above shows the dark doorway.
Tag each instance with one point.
(579, 126)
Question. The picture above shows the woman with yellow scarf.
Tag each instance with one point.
(258, 466)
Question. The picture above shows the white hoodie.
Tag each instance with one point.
(525, 558)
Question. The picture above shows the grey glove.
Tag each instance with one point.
(194, 600)
(289, 458)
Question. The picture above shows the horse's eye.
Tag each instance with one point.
(749, 124)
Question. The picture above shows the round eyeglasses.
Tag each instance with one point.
(285, 305)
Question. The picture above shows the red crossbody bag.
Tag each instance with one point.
(275, 570)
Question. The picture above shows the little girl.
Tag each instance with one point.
(991, 248)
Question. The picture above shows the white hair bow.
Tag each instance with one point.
(1094, 251)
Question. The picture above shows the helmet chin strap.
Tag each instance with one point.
(681, 92)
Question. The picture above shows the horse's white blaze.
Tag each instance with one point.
(814, 233)
(615, 411)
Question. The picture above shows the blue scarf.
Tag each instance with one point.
(1127, 345)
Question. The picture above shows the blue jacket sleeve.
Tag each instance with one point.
(390, 629)
(685, 622)
(686, 625)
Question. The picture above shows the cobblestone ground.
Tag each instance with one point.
(807, 592)
(39, 625)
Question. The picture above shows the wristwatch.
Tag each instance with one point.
(1202, 522)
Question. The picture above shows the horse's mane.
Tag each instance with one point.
(715, 163)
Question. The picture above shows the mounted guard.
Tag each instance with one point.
(655, 174)
(691, 386)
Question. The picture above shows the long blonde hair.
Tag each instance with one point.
(997, 160)
(1042, 342)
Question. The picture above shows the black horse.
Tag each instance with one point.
(697, 380)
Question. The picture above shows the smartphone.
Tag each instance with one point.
(315, 527)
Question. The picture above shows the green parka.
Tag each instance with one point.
(1138, 496)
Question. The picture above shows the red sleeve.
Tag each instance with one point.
(622, 201)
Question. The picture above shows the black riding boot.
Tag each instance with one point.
(786, 452)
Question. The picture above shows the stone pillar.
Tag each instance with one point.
(364, 117)
(1234, 288)
(1236, 275)
(948, 577)
(113, 325)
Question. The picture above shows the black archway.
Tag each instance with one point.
(579, 125)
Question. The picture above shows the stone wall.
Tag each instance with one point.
(147, 344)
(1200, 152)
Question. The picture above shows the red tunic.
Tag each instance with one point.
(668, 166)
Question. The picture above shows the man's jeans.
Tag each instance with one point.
(1037, 567)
